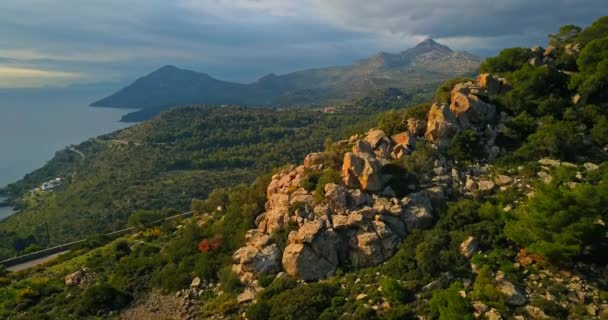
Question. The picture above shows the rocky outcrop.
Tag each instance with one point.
(258, 256)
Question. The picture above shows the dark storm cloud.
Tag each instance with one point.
(119, 40)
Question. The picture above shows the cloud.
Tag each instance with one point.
(11, 77)
(243, 39)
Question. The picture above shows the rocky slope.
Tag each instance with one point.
(360, 221)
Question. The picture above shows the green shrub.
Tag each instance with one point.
(508, 60)
(121, 249)
(558, 222)
(449, 305)
(258, 311)
(143, 218)
(395, 292)
(102, 297)
(485, 291)
(230, 280)
(305, 302)
(599, 132)
(466, 146)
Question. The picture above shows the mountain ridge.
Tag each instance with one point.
(427, 63)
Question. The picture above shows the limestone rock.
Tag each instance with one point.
(376, 137)
(362, 146)
(277, 213)
(196, 282)
(339, 221)
(73, 279)
(405, 139)
(416, 126)
(486, 186)
(502, 180)
(418, 212)
(549, 162)
(489, 83)
(471, 111)
(469, 247)
(300, 260)
(513, 295)
(308, 231)
(366, 251)
(335, 196)
(535, 312)
(246, 296)
(591, 166)
(255, 260)
(442, 125)
(362, 171)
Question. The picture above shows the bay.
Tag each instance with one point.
(34, 124)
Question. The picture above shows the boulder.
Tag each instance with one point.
(339, 221)
(485, 186)
(73, 279)
(356, 199)
(362, 146)
(196, 282)
(375, 137)
(418, 212)
(336, 197)
(405, 139)
(469, 247)
(442, 125)
(255, 260)
(82, 278)
(246, 296)
(366, 249)
(300, 196)
(513, 295)
(362, 171)
(277, 213)
(308, 231)
(502, 180)
(327, 245)
(416, 126)
(549, 162)
(471, 111)
(591, 166)
(536, 312)
(489, 83)
(257, 238)
(300, 260)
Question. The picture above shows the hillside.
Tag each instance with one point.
(490, 201)
(163, 163)
(427, 63)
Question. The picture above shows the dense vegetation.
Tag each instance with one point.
(560, 227)
(163, 164)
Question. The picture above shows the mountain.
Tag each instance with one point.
(490, 201)
(427, 63)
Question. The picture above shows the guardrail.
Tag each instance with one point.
(50, 251)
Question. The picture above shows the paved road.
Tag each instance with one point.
(33, 263)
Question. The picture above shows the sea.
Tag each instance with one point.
(34, 124)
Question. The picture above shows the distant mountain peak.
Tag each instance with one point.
(168, 68)
(432, 44)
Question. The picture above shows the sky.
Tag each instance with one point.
(64, 42)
